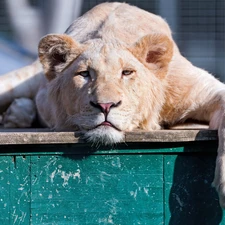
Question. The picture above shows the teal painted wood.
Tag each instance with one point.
(125, 189)
(150, 183)
(14, 190)
(189, 197)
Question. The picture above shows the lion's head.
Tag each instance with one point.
(105, 88)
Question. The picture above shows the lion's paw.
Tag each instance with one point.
(20, 114)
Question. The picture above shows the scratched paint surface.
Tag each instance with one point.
(97, 190)
(189, 197)
(136, 187)
(14, 190)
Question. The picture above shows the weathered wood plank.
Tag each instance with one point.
(171, 136)
(17, 138)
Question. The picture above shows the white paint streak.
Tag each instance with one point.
(14, 221)
(146, 191)
(50, 196)
(15, 216)
(52, 161)
(134, 194)
(113, 205)
(23, 194)
(65, 176)
(104, 176)
(116, 163)
(52, 175)
(179, 201)
(108, 220)
(34, 181)
(22, 218)
(77, 174)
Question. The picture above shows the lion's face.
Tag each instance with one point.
(106, 86)
(105, 90)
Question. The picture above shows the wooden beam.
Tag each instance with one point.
(44, 136)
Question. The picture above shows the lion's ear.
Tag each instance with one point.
(155, 51)
(56, 52)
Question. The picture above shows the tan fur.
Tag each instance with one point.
(154, 51)
(61, 50)
(137, 79)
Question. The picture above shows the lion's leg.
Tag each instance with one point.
(206, 102)
(20, 114)
(20, 83)
(218, 122)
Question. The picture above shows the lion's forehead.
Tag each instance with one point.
(103, 54)
(106, 56)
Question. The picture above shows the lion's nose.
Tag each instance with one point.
(105, 107)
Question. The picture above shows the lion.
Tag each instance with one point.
(115, 69)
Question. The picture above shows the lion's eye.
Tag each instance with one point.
(127, 72)
(84, 73)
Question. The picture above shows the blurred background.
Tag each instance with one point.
(198, 27)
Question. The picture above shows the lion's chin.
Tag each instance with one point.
(104, 135)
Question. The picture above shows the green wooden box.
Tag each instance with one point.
(161, 177)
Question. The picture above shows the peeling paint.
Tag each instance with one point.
(146, 191)
(134, 194)
(50, 196)
(52, 175)
(104, 176)
(52, 161)
(65, 176)
(116, 162)
(108, 220)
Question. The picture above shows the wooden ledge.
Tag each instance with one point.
(45, 136)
